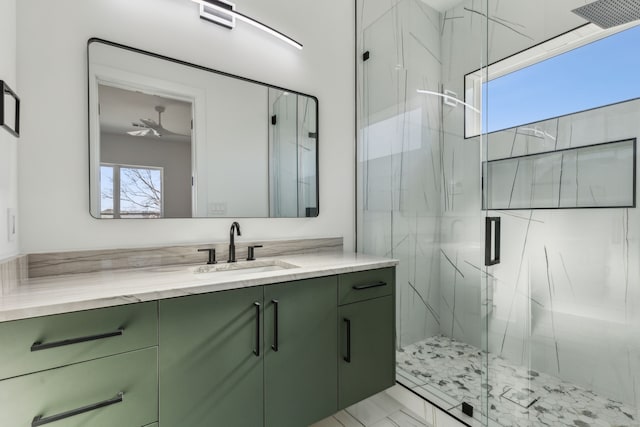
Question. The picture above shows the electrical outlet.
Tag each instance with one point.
(12, 228)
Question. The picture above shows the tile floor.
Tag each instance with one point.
(448, 372)
(395, 407)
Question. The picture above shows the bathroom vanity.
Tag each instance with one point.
(274, 342)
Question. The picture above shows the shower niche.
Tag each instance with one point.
(465, 111)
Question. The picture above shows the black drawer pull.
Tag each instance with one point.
(37, 346)
(347, 358)
(39, 421)
(257, 349)
(274, 346)
(369, 286)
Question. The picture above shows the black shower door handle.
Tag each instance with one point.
(491, 240)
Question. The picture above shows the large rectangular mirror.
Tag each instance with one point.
(169, 139)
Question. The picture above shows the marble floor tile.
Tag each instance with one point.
(403, 418)
(374, 409)
(329, 422)
(347, 420)
(518, 396)
(380, 410)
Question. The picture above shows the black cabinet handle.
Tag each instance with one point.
(491, 233)
(37, 346)
(347, 358)
(275, 324)
(257, 349)
(39, 421)
(369, 286)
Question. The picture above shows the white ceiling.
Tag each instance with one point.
(119, 108)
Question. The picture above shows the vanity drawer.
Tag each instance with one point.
(32, 345)
(118, 390)
(364, 285)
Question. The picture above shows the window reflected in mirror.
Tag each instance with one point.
(169, 139)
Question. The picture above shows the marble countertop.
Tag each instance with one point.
(60, 294)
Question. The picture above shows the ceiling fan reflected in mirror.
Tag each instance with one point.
(150, 127)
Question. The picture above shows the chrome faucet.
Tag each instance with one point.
(232, 246)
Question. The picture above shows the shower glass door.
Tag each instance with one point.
(520, 111)
(559, 155)
(418, 189)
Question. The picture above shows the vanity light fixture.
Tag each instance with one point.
(223, 13)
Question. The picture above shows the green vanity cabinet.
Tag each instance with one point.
(211, 366)
(367, 335)
(119, 390)
(40, 343)
(300, 369)
(250, 357)
(280, 355)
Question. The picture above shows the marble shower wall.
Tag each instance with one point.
(476, 33)
(399, 148)
(566, 299)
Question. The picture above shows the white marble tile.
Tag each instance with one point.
(346, 420)
(385, 422)
(450, 369)
(374, 409)
(329, 422)
(75, 292)
(404, 418)
(409, 400)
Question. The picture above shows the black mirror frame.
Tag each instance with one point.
(6, 90)
(310, 212)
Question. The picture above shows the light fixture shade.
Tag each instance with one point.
(224, 13)
(214, 15)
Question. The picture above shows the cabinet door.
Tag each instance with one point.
(367, 356)
(210, 374)
(120, 390)
(300, 347)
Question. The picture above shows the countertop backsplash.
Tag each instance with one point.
(62, 263)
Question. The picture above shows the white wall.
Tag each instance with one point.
(52, 39)
(8, 143)
(235, 172)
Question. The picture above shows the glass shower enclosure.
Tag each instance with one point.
(496, 159)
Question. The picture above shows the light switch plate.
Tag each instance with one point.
(12, 228)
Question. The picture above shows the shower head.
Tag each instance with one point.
(610, 13)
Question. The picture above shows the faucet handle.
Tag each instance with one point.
(251, 252)
(212, 255)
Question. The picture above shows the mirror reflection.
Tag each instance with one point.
(174, 140)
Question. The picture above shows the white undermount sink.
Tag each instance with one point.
(241, 268)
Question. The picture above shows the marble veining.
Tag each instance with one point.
(451, 372)
(74, 292)
(58, 263)
(12, 272)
